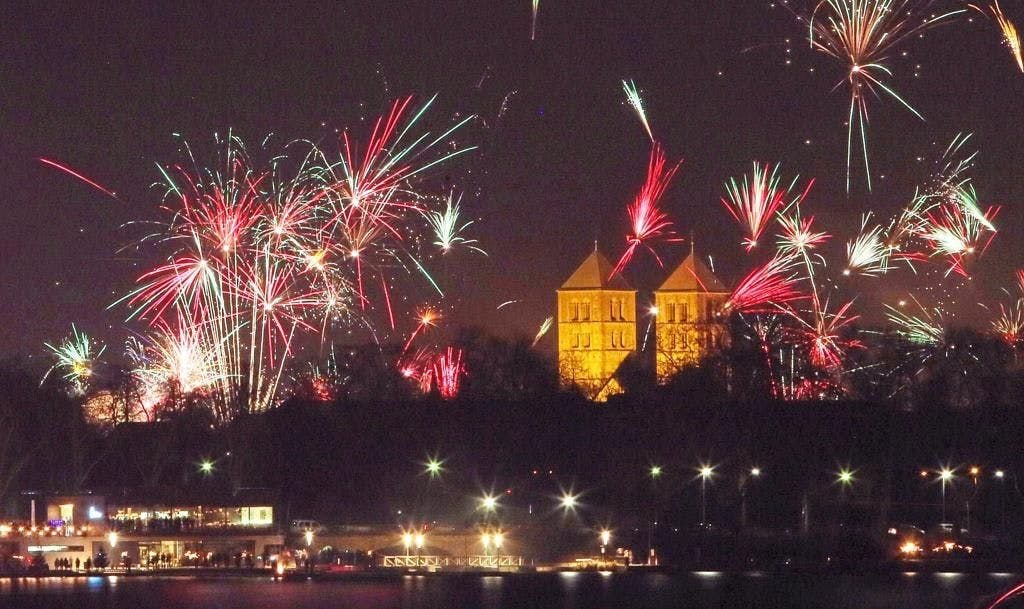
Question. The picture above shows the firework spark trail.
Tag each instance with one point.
(766, 287)
(822, 338)
(633, 99)
(755, 201)
(867, 253)
(958, 228)
(75, 174)
(76, 356)
(1010, 323)
(448, 371)
(1010, 35)
(861, 34)
(426, 318)
(544, 328)
(258, 252)
(173, 361)
(447, 227)
(534, 9)
(925, 330)
(650, 224)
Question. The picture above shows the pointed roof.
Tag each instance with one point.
(692, 275)
(595, 274)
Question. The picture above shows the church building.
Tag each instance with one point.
(596, 327)
(597, 324)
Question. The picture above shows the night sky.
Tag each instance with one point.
(725, 82)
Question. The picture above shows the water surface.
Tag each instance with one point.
(705, 590)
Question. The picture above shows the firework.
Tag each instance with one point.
(173, 360)
(426, 317)
(76, 358)
(766, 287)
(448, 370)
(534, 8)
(544, 328)
(447, 226)
(867, 253)
(861, 34)
(958, 228)
(826, 348)
(755, 200)
(75, 174)
(798, 236)
(924, 330)
(650, 224)
(1010, 35)
(633, 99)
(1010, 323)
(263, 253)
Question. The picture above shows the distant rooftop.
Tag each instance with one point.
(595, 274)
(692, 275)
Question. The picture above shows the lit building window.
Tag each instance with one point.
(684, 311)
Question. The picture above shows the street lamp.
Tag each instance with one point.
(434, 467)
(489, 503)
(309, 538)
(112, 539)
(606, 537)
(407, 542)
(755, 473)
(945, 475)
(705, 472)
(485, 540)
(655, 473)
(206, 467)
(498, 539)
(568, 501)
(1000, 475)
(845, 477)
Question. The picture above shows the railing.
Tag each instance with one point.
(438, 562)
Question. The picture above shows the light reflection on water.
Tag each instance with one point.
(698, 590)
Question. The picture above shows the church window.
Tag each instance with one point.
(585, 311)
(684, 311)
(671, 312)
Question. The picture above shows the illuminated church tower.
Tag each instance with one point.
(690, 322)
(596, 327)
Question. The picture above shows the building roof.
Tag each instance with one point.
(692, 275)
(595, 274)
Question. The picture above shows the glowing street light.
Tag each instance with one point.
(655, 471)
(705, 472)
(845, 477)
(999, 474)
(434, 467)
(112, 539)
(498, 539)
(206, 467)
(755, 472)
(420, 541)
(489, 503)
(485, 540)
(568, 501)
(309, 538)
(407, 542)
(606, 537)
(945, 475)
